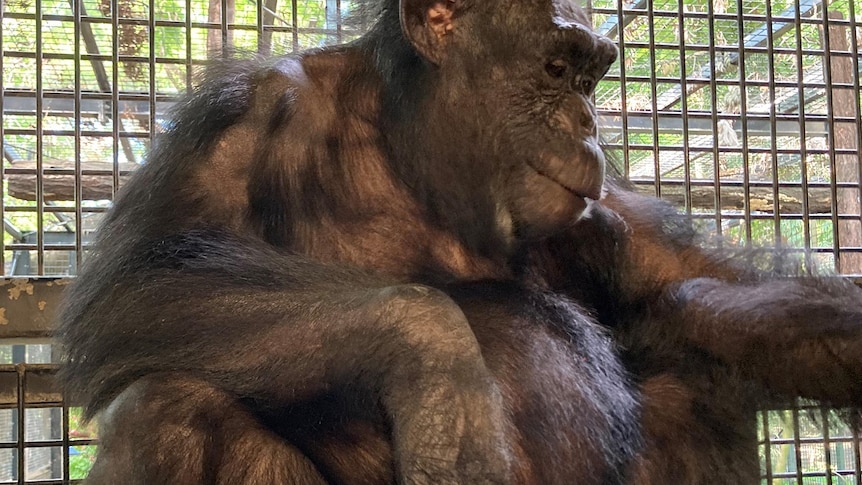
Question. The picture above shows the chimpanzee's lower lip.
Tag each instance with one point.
(592, 193)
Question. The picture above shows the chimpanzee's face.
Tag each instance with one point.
(529, 74)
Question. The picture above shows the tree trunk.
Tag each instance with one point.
(218, 39)
(845, 138)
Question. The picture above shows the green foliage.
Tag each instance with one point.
(81, 462)
(711, 60)
(81, 457)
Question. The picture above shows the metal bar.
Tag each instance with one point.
(623, 92)
(857, 452)
(827, 450)
(188, 60)
(45, 482)
(79, 186)
(654, 96)
(731, 15)
(263, 47)
(767, 447)
(743, 115)
(830, 137)
(683, 75)
(770, 63)
(713, 106)
(294, 20)
(65, 441)
(797, 445)
(756, 150)
(151, 80)
(40, 203)
(20, 370)
(115, 92)
(803, 144)
(48, 443)
(810, 440)
(173, 23)
(223, 25)
(338, 22)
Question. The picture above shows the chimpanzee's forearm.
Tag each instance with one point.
(280, 329)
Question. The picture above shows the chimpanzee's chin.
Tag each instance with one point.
(553, 217)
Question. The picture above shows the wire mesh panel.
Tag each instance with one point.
(809, 444)
(747, 114)
(86, 84)
(42, 440)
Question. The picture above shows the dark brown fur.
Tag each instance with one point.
(370, 264)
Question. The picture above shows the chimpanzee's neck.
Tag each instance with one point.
(395, 202)
(452, 182)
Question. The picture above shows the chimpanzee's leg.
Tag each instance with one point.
(177, 430)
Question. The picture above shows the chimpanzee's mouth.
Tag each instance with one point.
(572, 190)
(583, 177)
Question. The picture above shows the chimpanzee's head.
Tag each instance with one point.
(516, 78)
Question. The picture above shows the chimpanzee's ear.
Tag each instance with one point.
(427, 23)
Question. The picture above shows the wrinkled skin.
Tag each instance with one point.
(398, 260)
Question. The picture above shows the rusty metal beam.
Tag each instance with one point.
(28, 307)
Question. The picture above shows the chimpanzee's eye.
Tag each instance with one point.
(584, 83)
(557, 68)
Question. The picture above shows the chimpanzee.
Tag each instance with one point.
(398, 261)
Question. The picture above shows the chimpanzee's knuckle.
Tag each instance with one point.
(427, 317)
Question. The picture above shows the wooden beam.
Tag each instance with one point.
(733, 198)
(96, 179)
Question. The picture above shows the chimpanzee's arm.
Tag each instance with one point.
(640, 264)
(275, 329)
(800, 337)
